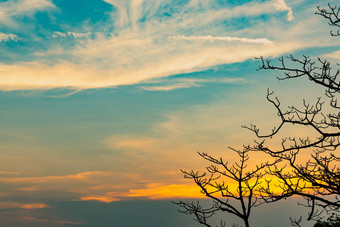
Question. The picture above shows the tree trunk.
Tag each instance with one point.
(246, 222)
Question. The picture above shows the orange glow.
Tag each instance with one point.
(152, 191)
(159, 191)
(156, 191)
(104, 199)
(29, 206)
(34, 206)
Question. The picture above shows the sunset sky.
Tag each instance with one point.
(103, 101)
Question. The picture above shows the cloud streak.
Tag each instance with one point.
(71, 34)
(173, 84)
(219, 38)
(26, 206)
(45, 179)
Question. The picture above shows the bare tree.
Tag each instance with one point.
(216, 185)
(318, 178)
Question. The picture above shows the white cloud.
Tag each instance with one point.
(79, 35)
(224, 38)
(58, 34)
(71, 34)
(281, 5)
(8, 37)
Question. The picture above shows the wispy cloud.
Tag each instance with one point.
(8, 37)
(168, 87)
(149, 40)
(71, 34)
(173, 84)
(219, 38)
(79, 176)
(282, 5)
(73, 186)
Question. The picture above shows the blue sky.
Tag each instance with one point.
(104, 101)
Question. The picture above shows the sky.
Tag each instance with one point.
(102, 102)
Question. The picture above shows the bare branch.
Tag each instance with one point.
(332, 14)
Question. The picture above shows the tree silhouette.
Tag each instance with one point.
(316, 179)
(216, 185)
